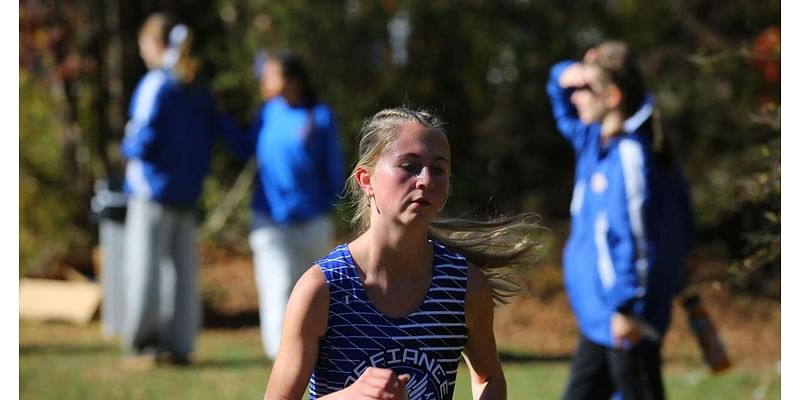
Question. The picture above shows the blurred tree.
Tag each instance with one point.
(714, 67)
(55, 157)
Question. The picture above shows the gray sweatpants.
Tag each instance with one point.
(281, 255)
(160, 271)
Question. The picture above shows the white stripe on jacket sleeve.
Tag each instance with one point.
(632, 160)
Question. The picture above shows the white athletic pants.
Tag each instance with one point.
(160, 270)
(282, 254)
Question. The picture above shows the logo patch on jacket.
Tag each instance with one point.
(599, 182)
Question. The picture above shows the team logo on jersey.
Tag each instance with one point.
(599, 182)
(428, 378)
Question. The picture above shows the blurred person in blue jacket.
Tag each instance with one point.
(295, 142)
(630, 224)
(167, 145)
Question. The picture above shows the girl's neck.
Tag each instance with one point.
(396, 270)
(611, 126)
(396, 253)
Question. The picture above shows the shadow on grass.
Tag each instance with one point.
(215, 319)
(65, 349)
(524, 358)
(239, 363)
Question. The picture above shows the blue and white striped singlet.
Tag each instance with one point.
(426, 344)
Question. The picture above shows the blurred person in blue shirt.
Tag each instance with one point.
(295, 142)
(630, 226)
(167, 146)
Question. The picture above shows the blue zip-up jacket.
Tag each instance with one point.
(629, 223)
(300, 166)
(168, 139)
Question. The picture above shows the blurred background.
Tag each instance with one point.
(713, 66)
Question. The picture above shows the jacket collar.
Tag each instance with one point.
(637, 119)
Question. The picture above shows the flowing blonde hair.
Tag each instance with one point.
(496, 246)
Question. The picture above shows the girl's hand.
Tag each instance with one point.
(378, 383)
(574, 76)
(624, 328)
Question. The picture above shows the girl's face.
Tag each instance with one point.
(590, 100)
(273, 82)
(411, 178)
(151, 49)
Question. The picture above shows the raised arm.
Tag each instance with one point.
(480, 351)
(564, 77)
(305, 323)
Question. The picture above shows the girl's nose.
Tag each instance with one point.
(424, 177)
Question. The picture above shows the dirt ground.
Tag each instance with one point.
(540, 323)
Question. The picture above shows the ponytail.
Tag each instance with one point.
(177, 56)
(662, 146)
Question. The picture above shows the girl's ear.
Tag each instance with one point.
(613, 97)
(363, 178)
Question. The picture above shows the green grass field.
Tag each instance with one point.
(59, 361)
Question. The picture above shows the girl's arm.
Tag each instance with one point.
(480, 351)
(241, 141)
(305, 323)
(334, 167)
(145, 129)
(627, 242)
(563, 78)
(374, 384)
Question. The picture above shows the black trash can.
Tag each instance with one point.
(109, 206)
